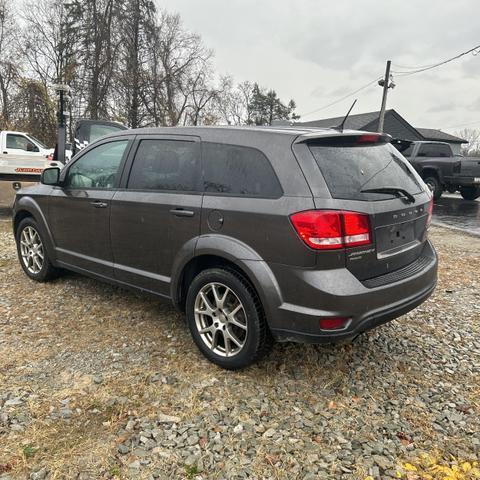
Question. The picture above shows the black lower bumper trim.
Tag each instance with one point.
(366, 324)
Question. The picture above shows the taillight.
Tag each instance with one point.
(429, 212)
(333, 323)
(332, 229)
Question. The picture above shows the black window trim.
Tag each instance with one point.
(237, 195)
(131, 158)
(121, 167)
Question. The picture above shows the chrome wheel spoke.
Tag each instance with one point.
(226, 341)
(237, 323)
(231, 336)
(209, 308)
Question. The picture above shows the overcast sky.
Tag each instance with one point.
(316, 51)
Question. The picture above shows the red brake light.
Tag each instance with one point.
(331, 229)
(369, 138)
(356, 229)
(332, 323)
(429, 211)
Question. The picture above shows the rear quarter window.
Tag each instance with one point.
(348, 170)
(239, 171)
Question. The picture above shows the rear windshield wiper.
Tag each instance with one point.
(397, 191)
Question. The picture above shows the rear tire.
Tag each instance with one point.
(434, 186)
(226, 319)
(32, 253)
(470, 193)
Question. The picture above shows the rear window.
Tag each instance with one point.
(434, 150)
(350, 169)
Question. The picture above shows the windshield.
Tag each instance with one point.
(38, 142)
(98, 130)
(350, 169)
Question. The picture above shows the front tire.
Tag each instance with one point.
(470, 193)
(32, 253)
(435, 186)
(226, 319)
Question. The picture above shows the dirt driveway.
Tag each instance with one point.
(97, 382)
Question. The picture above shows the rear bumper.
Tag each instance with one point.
(311, 295)
(464, 180)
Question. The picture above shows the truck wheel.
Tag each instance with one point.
(470, 193)
(434, 185)
(226, 319)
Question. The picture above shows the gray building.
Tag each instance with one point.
(394, 124)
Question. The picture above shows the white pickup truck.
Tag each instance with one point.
(23, 157)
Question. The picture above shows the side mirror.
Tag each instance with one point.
(50, 176)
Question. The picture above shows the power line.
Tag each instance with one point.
(475, 51)
(342, 98)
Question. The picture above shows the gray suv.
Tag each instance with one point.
(257, 234)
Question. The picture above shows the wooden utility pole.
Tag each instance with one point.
(384, 97)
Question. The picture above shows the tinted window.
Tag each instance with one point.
(348, 170)
(166, 165)
(20, 142)
(238, 170)
(434, 150)
(97, 168)
(98, 130)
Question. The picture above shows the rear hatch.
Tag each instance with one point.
(364, 173)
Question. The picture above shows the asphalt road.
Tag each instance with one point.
(453, 211)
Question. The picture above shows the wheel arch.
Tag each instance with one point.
(26, 207)
(256, 273)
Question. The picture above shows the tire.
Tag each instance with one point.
(470, 193)
(434, 185)
(32, 253)
(233, 332)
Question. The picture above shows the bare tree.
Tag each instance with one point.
(9, 60)
(473, 137)
(49, 41)
(98, 36)
(34, 110)
(137, 18)
(177, 58)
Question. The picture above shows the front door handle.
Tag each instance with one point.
(98, 204)
(180, 212)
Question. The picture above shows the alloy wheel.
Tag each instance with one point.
(220, 319)
(31, 249)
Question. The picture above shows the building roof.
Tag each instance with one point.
(395, 125)
(439, 136)
(355, 122)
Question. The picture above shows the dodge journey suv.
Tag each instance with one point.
(257, 234)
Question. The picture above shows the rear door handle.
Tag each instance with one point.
(98, 204)
(180, 212)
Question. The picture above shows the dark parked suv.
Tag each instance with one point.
(256, 233)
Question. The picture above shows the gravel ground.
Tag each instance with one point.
(97, 382)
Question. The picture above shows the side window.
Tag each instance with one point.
(434, 150)
(97, 168)
(166, 165)
(236, 170)
(20, 142)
